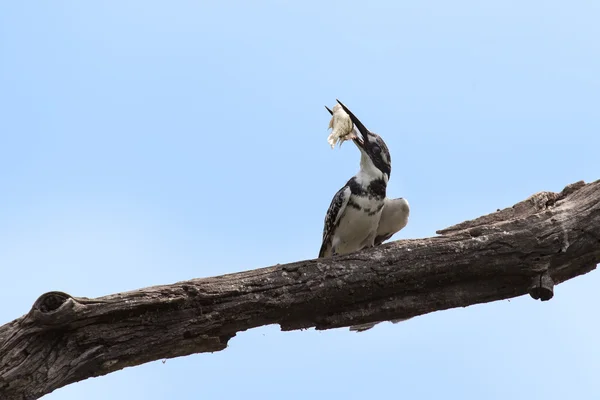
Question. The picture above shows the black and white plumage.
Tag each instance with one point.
(360, 215)
(353, 216)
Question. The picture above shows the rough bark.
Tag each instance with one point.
(527, 248)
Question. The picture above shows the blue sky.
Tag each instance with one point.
(131, 132)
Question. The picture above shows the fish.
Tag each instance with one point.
(341, 126)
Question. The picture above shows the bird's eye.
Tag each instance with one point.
(376, 148)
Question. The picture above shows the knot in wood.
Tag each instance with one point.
(51, 301)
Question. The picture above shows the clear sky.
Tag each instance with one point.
(147, 142)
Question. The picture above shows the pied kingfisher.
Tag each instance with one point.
(360, 214)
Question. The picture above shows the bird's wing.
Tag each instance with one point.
(382, 238)
(394, 218)
(334, 213)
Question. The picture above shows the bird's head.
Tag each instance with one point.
(374, 152)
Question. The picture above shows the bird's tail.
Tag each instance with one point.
(369, 325)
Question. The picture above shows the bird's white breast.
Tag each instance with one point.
(357, 227)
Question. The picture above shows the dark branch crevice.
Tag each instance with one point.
(525, 249)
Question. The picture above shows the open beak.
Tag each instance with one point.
(364, 132)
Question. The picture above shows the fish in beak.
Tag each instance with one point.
(361, 141)
(372, 147)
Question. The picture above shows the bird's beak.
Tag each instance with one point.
(364, 132)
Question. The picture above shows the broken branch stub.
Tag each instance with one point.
(542, 287)
(525, 249)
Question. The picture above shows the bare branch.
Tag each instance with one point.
(528, 248)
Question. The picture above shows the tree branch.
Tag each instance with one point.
(527, 248)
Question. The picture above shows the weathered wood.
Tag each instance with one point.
(527, 248)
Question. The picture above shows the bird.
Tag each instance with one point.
(360, 215)
(353, 216)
